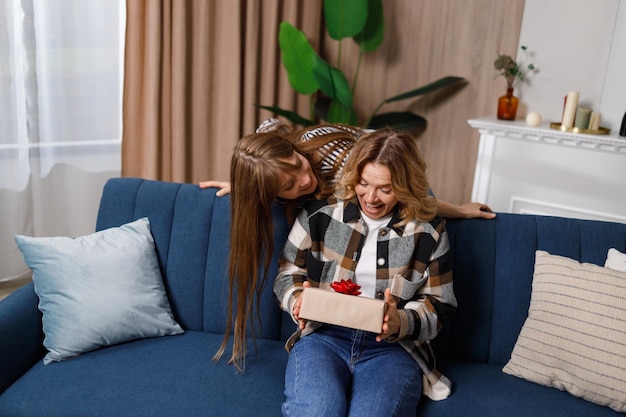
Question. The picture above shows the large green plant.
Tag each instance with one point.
(331, 95)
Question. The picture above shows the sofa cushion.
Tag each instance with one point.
(573, 338)
(98, 290)
(481, 389)
(167, 376)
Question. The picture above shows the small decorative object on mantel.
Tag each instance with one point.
(594, 121)
(579, 119)
(569, 109)
(511, 71)
(599, 131)
(583, 116)
(533, 119)
(622, 130)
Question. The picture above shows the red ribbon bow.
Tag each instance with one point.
(346, 287)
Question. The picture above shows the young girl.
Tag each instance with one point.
(383, 233)
(291, 166)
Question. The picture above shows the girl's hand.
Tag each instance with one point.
(476, 210)
(473, 210)
(224, 186)
(391, 321)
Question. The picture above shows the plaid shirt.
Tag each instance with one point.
(324, 246)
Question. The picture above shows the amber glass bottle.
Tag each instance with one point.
(507, 105)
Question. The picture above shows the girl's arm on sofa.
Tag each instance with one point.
(21, 335)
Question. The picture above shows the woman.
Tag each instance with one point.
(384, 234)
(291, 166)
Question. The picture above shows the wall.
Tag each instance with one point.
(579, 45)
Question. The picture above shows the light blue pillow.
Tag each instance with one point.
(98, 290)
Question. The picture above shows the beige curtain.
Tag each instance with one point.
(194, 71)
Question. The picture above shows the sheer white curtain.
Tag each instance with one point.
(60, 117)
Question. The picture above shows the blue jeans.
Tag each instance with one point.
(336, 371)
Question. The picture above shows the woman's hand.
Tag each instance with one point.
(296, 307)
(477, 210)
(224, 186)
(391, 321)
(464, 211)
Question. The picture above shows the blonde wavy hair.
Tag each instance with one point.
(398, 151)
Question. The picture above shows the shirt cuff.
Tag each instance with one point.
(404, 324)
(404, 327)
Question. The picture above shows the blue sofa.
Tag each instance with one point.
(175, 376)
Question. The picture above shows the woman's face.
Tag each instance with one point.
(300, 182)
(375, 191)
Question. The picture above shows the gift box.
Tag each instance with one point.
(331, 307)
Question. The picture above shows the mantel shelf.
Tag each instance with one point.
(518, 129)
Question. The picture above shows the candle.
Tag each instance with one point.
(594, 121)
(571, 103)
(582, 118)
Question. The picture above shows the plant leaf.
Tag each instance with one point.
(298, 58)
(332, 81)
(289, 115)
(397, 120)
(322, 104)
(372, 34)
(345, 18)
(340, 113)
(436, 85)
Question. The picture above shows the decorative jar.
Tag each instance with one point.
(507, 105)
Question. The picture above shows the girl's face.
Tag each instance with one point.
(375, 191)
(300, 182)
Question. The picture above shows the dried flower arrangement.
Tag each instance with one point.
(512, 70)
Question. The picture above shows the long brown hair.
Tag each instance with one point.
(398, 151)
(256, 165)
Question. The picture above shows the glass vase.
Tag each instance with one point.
(507, 105)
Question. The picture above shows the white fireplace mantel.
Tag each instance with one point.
(541, 170)
(518, 129)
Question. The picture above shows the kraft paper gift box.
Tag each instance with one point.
(345, 310)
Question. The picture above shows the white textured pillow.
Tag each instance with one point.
(615, 260)
(98, 290)
(574, 338)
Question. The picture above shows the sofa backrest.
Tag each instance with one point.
(493, 264)
(191, 229)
